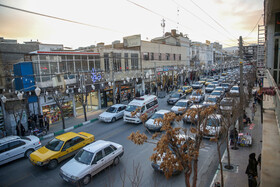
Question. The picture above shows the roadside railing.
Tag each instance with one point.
(276, 98)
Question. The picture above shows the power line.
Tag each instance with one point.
(212, 19)
(200, 19)
(58, 18)
(254, 27)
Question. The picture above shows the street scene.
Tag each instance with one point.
(151, 109)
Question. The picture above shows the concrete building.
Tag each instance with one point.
(272, 24)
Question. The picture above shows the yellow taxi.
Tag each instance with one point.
(224, 74)
(186, 89)
(208, 81)
(60, 148)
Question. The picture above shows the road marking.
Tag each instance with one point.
(19, 179)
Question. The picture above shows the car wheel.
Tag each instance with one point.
(113, 119)
(28, 152)
(116, 161)
(52, 164)
(86, 179)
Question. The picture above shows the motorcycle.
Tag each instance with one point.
(39, 132)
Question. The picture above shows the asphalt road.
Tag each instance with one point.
(22, 173)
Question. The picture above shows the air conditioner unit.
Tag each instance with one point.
(58, 80)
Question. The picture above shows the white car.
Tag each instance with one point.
(220, 88)
(213, 126)
(197, 97)
(90, 160)
(14, 147)
(198, 108)
(209, 88)
(151, 125)
(210, 101)
(181, 106)
(113, 113)
(234, 90)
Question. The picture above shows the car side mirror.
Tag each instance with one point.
(93, 162)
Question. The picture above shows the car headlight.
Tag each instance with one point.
(74, 177)
(40, 163)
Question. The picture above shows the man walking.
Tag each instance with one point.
(252, 170)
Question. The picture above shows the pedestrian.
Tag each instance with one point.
(118, 99)
(137, 94)
(47, 124)
(128, 97)
(147, 91)
(155, 89)
(29, 123)
(260, 160)
(41, 121)
(252, 170)
(253, 110)
(233, 136)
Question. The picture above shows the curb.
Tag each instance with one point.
(67, 129)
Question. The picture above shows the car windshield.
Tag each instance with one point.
(185, 88)
(212, 99)
(216, 93)
(213, 122)
(196, 94)
(219, 88)
(156, 116)
(215, 82)
(175, 95)
(210, 86)
(197, 83)
(225, 85)
(84, 157)
(181, 104)
(226, 103)
(131, 108)
(112, 110)
(235, 88)
(55, 144)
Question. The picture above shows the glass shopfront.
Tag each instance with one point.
(53, 113)
(92, 103)
(106, 96)
(125, 89)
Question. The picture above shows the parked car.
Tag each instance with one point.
(218, 94)
(208, 81)
(227, 104)
(226, 86)
(197, 97)
(186, 89)
(234, 90)
(216, 83)
(60, 148)
(216, 77)
(151, 125)
(197, 85)
(90, 160)
(210, 101)
(213, 126)
(220, 88)
(174, 97)
(15, 147)
(113, 113)
(198, 108)
(181, 106)
(209, 88)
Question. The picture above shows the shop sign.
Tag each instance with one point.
(168, 68)
(159, 69)
(132, 41)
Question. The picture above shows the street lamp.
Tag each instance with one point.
(37, 91)
(20, 96)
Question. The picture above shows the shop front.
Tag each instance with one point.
(92, 103)
(51, 110)
(106, 96)
(125, 89)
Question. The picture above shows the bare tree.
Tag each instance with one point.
(59, 100)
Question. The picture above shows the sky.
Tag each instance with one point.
(109, 20)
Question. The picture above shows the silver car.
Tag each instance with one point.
(90, 160)
(181, 106)
(113, 113)
(197, 97)
(14, 147)
(151, 124)
(209, 88)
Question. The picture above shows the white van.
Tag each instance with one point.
(148, 105)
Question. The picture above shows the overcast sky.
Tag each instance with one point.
(113, 19)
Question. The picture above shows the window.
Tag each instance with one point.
(106, 62)
(159, 56)
(67, 145)
(179, 56)
(117, 65)
(167, 56)
(174, 56)
(84, 63)
(76, 140)
(134, 61)
(78, 63)
(113, 147)
(4, 148)
(152, 56)
(126, 61)
(108, 150)
(98, 156)
(146, 56)
(151, 104)
(16, 144)
(123, 107)
(97, 63)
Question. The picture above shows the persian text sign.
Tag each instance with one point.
(132, 41)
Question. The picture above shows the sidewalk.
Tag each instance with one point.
(239, 158)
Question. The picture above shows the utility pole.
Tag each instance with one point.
(241, 83)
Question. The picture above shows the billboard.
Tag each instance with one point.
(132, 41)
